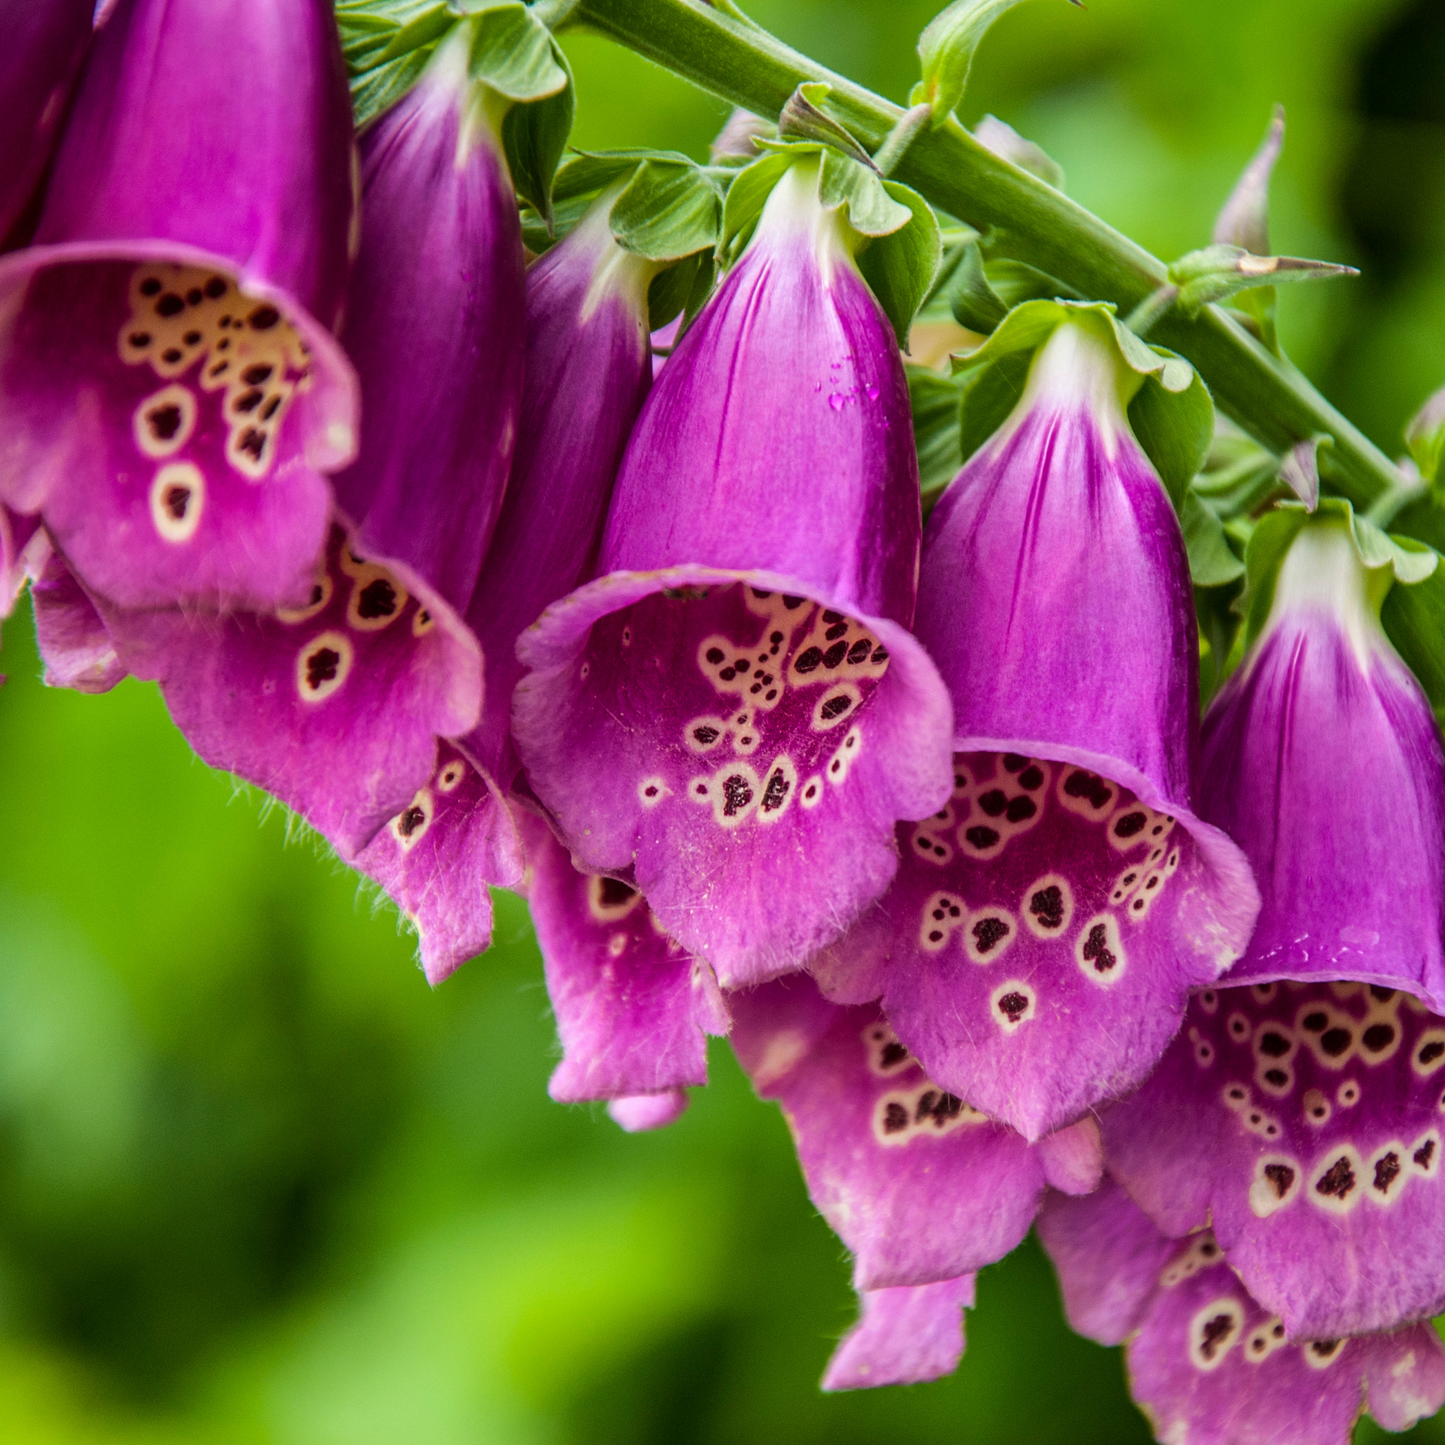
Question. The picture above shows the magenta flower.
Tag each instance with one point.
(903, 1336)
(1207, 1362)
(734, 710)
(45, 42)
(1037, 947)
(1322, 758)
(170, 389)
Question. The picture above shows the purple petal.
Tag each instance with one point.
(1304, 1121)
(437, 344)
(45, 42)
(1037, 947)
(903, 1336)
(919, 1185)
(586, 377)
(715, 737)
(774, 450)
(1073, 1158)
(1323, 759)
(1207, 1363)
(73, 641)
(640, 1113)
(437, 856)
(164, 474)
(633, 1009)
(335, 707)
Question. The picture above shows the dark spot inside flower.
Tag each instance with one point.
(792, 603)
(613, 892)
(1020, 809)
(741, 664)
(736, 795)
(194, 296)
(938, 1106)
(715, 655)
(176, 500)
(935, 936)
(1335, 1041)
(808, 661)
(1012, 762)
(411, 820)
(1129, 825)
(215, 288)
(1208, 997)
(377, 599)
(1208, 1249)
(1030, 778)
(1378, 1037)
(1097, 791)
(775, 791)
(1277, 1077)
(1013, 1006)
(1273, 1044)
(171, 355)
(859, 651)
(1430, 1052)
(150, 286)
(1314, 1022)
(1216, 1332)
(880, 654)
(727, 674)
(893, 1054)
(269, 410)
(255, 375)
(705, 735)
(253, 443)
(1383, 994)
(321, 666)
(836, 707)
(650, 791)
(980, 837)
(139, 338)
(164, 421)
(170, 305)
(1281, 1176)
(1387, 1171)
(776, 638)
(1238, 1028)
(1325, 1348)
(831, 616)
(1338, 1180)
(836, 631)
(263, 318)
(1047, 905)
(316, 592)
(1236, 1093)
(895, 1117)
(988, 933)
(249, 400)
(191, 337)
(1424, 1154)
(1151, 885)
(994, 802)
(760, 594)
(835, 655)
(1096, 949)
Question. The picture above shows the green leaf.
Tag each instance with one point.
(934, 400)
(1221, 271)
(900, 266)
(534, 136)
(873, 207)
(1212, 562)
(989, 398)
(946, 50)
(667, 211)
(972, 300)
(514, 54)
(1425, 436)
(1175, 429)
(680, 288)
(1414, 621)
(746, 197)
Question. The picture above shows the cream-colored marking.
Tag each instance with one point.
(1264, 1340)
(1423, 1156)
(1276, 1183)
(163, 423)
(1213, 1331)
(1045, 921)
(374, 590)
(982, 940)
(1202, 1252)
(1012, 1018)
(178, 497)
(1098, 952)
(322, 666)
(1427, 1055)
(1348, 1094)
(782, 1053)
(835, 707)
(1345, 1179)
(1316, 1109)
(449, 779)
(1321, 1354)
(321, 591)
(780, 785)
(942, 913)
(1082, 804)
(422, 622)
(651, 791)
(886, 1056)
(1387, 1171)
(811, 793)
(903, 1115)
(703, 734)
(601, 909)
(410, 826)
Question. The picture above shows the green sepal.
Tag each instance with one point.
(667, 211)
(1414, 621)
(945, 50)
(1218, 272)
(1212, 562)
(934, 400)
(1425, 436)
(514, 54)
(1219, 628)
(387, 44)
(972, 299)
(1411, 562)
(1242, 477)
(802, 118)
(681, 288)
(900, 266)
(1170, 410)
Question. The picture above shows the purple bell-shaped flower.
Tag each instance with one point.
(1037, 947)
(734, 714)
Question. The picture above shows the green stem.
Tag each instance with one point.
(900, 138)
(1036, 224)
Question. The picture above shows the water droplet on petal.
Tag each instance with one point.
(836, 400)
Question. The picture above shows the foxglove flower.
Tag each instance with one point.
(1037, 947)
(586, 375)
(45, 42)
(918, 1184)
(73, 641)
(336, 706)
(170, 388)
(903, 1336)
(1322, 758)
(734, 710)
(1208, 1363)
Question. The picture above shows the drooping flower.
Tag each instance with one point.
(1303, 1122)
(1036, 949)
(1323, 760)
(734, 710)
(337, 706)
(1208, 1363)
(170, 388)
(45, 42)
(586, 375)
(903, 1336)
(918, 1184)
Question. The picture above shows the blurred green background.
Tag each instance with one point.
(258, 1183)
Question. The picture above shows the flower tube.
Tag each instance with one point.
(170, 388)
(733, 714)
(1036, 950)
(1208, 1363)
(45, 42)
